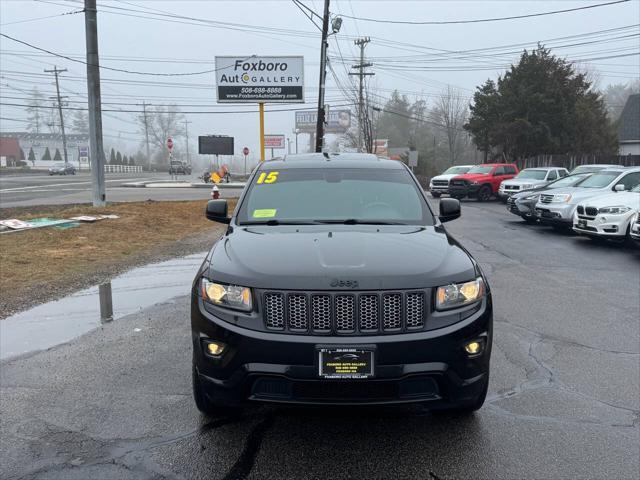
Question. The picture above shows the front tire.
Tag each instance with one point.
(484, 193)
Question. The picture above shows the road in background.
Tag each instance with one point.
(563, 400)
(34, 189)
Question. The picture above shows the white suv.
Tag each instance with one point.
(557, 207)
(607, 216)
(529, 178)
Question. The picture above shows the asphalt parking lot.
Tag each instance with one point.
(563, 402)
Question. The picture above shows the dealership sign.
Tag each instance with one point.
(274, 141)
(253, 79)
(338, 121)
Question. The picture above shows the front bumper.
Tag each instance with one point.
(426, 366)
(439, 188)
(555, 214)
(602, 225)
(461, 191)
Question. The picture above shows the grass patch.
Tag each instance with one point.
(38, 257)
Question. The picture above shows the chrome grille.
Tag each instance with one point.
(415, 310)
(345, 313)
(321, 313)
(440, 183)
(274, 310)
(298, 312)
(546, 198)
(392, 311)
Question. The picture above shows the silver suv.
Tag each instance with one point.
(529, 178)
(557, 207)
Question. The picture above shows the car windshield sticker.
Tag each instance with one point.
(265, 177)
(264, 213)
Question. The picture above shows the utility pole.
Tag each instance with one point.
(361, 42)
(56, 72)
(323, 76)
(98, 193)
(186, 129)
(146, 133)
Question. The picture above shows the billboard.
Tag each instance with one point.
(274, 141)
(215, 145)
(337, 121)
(254, 79)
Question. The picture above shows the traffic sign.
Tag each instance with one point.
(170, 143)
(245, 151)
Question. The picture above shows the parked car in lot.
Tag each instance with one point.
(635, 228)
(608, 216)
(62, 168)
(440, 183)
(296, 304)
(556, 208)
(524, 202)
(529, 178)
(482, 181)
(179, 168)
(594, 167)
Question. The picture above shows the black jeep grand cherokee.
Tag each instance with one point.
(336, 284)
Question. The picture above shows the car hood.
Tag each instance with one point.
(628, 199)
(449, 176)
(472, 176)
(524, 181)
(310, 257)
(578, 194)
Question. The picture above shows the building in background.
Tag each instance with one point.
(629, 127)
(41, 150)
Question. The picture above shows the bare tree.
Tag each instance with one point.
(163, 122)
(35, 115)
(450, 111)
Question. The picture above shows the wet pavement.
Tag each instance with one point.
(564, 397)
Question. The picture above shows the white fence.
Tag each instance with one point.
(122, 169)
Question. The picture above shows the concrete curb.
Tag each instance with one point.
(170, 184)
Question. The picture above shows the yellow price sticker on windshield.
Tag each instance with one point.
(265, 213)
(265, 177)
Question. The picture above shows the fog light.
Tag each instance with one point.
(215, 349)
(473, 348)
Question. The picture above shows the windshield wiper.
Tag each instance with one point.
(355, 221)
(274, 222)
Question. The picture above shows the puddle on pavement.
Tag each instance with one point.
(59, 321)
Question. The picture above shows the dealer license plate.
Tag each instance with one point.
(345, 363)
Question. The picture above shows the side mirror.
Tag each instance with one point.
(217, 211)
(619, 188)
(449, 209)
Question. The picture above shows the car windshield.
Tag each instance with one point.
(456, 170)
(587, 169)
(599, 180)
(480, 169)
(59, 164)
(532, 174)
(568, 181)
(636, 189)
(319, 195)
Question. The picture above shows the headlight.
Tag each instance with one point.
(459, 294)
(617, 210)
(473, 182)
(531, 197)
(561, 197)
(525, 186)
(231, 296)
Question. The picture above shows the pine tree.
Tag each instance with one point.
(47, 155)
(125, 160)
(57, 157)
(112, 157)
(119, 158)
(32, 156)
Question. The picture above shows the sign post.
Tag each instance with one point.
(245, 152)
(261, 132)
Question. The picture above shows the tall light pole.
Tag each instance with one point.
(186, 130)
(296, 132)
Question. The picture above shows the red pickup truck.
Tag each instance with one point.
(482, 181)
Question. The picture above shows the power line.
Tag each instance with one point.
(481, 20)
(111, 68)
(42, 18)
